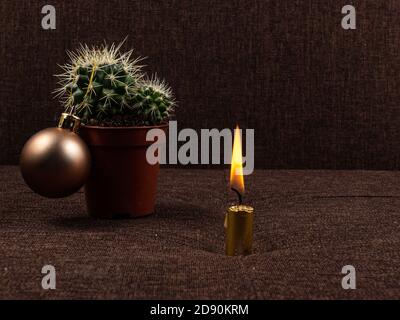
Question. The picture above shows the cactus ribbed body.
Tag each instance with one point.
(104, 87)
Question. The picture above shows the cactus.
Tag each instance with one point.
(153, 101)
(105, 87)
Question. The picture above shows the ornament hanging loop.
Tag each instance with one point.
(70, 122)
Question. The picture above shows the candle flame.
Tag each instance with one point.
(236, 179)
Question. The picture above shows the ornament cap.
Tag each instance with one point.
(69, 121)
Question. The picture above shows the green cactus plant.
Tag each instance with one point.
(153, 101)
(105, 87)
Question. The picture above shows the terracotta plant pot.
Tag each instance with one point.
(121, 182)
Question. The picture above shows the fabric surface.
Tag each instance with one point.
(308, 225)
(318, 96)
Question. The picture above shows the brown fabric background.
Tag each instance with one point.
(318, 96)
(308, 225)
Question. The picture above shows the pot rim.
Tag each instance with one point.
(163, 125)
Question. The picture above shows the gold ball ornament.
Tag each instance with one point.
(55, 162)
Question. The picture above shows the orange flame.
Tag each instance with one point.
(236, 180)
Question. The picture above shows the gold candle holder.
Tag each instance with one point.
(239, 230)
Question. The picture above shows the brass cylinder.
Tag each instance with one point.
(69, 121)
(239, 230)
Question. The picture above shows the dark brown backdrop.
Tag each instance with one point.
(318, 96)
